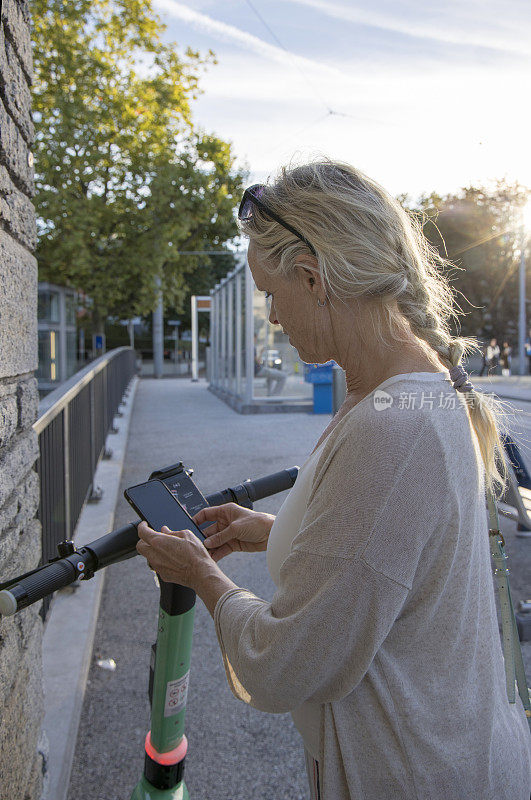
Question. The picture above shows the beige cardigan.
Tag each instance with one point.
(385, 613)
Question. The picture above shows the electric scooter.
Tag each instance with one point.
(165, 744)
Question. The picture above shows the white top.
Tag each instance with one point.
(286, 526)
(384, 617)
(289, 517)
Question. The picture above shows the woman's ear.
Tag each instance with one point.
(308, 273)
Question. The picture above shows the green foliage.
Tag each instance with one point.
(123, 181)
(479, 231)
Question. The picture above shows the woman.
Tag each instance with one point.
(493, 356)
(505, 359)
(381, 639)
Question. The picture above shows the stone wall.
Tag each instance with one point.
(21, 763)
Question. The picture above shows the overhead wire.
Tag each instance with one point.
(289, 54)
(330, 111)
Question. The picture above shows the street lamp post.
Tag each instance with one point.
(522, 323)
(158, 332)
(521, 306)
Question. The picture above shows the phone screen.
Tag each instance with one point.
(186, 492)
(154, 502)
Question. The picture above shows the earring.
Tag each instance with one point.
(321, 305)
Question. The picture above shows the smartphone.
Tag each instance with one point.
(154, 502)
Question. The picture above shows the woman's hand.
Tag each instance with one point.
(177, 556)
(234, 528)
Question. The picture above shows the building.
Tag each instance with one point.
(57, 335)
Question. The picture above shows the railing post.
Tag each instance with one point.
(105, 401)
(92, 428)
(66, 461)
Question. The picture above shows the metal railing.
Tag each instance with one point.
(73, 423)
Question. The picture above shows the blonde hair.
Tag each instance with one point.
(368, 246)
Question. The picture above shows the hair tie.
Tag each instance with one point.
(460, 379)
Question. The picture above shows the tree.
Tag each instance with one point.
(191, 209)
(116, 152)
(478, 229)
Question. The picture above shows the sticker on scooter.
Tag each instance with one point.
(176, 693)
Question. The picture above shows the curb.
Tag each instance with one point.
(68, 635)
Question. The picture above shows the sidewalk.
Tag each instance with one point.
(170, 369)
(515, 387)
(235, 752)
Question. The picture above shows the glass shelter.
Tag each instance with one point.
(253, 367)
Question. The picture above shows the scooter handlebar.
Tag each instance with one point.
(33, 587)
(117, 546)
(271, 484)
(80, 564)
(245, 494)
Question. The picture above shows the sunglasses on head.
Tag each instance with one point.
(251, 198)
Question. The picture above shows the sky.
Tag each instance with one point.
(422, 96)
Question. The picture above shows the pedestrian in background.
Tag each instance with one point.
(505, 359)
(275, 378)
(485, 365)
(492, 356)
(528, 351)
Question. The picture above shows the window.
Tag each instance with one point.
(48, 306)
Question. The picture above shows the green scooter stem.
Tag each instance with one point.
(170, 680)
(168, 693)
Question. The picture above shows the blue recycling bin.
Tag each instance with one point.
(321, 377)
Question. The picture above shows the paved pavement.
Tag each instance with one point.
(235, 752)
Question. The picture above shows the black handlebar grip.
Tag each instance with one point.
(220, 498)
(34, 587)
(271, 484)
(257, 489)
